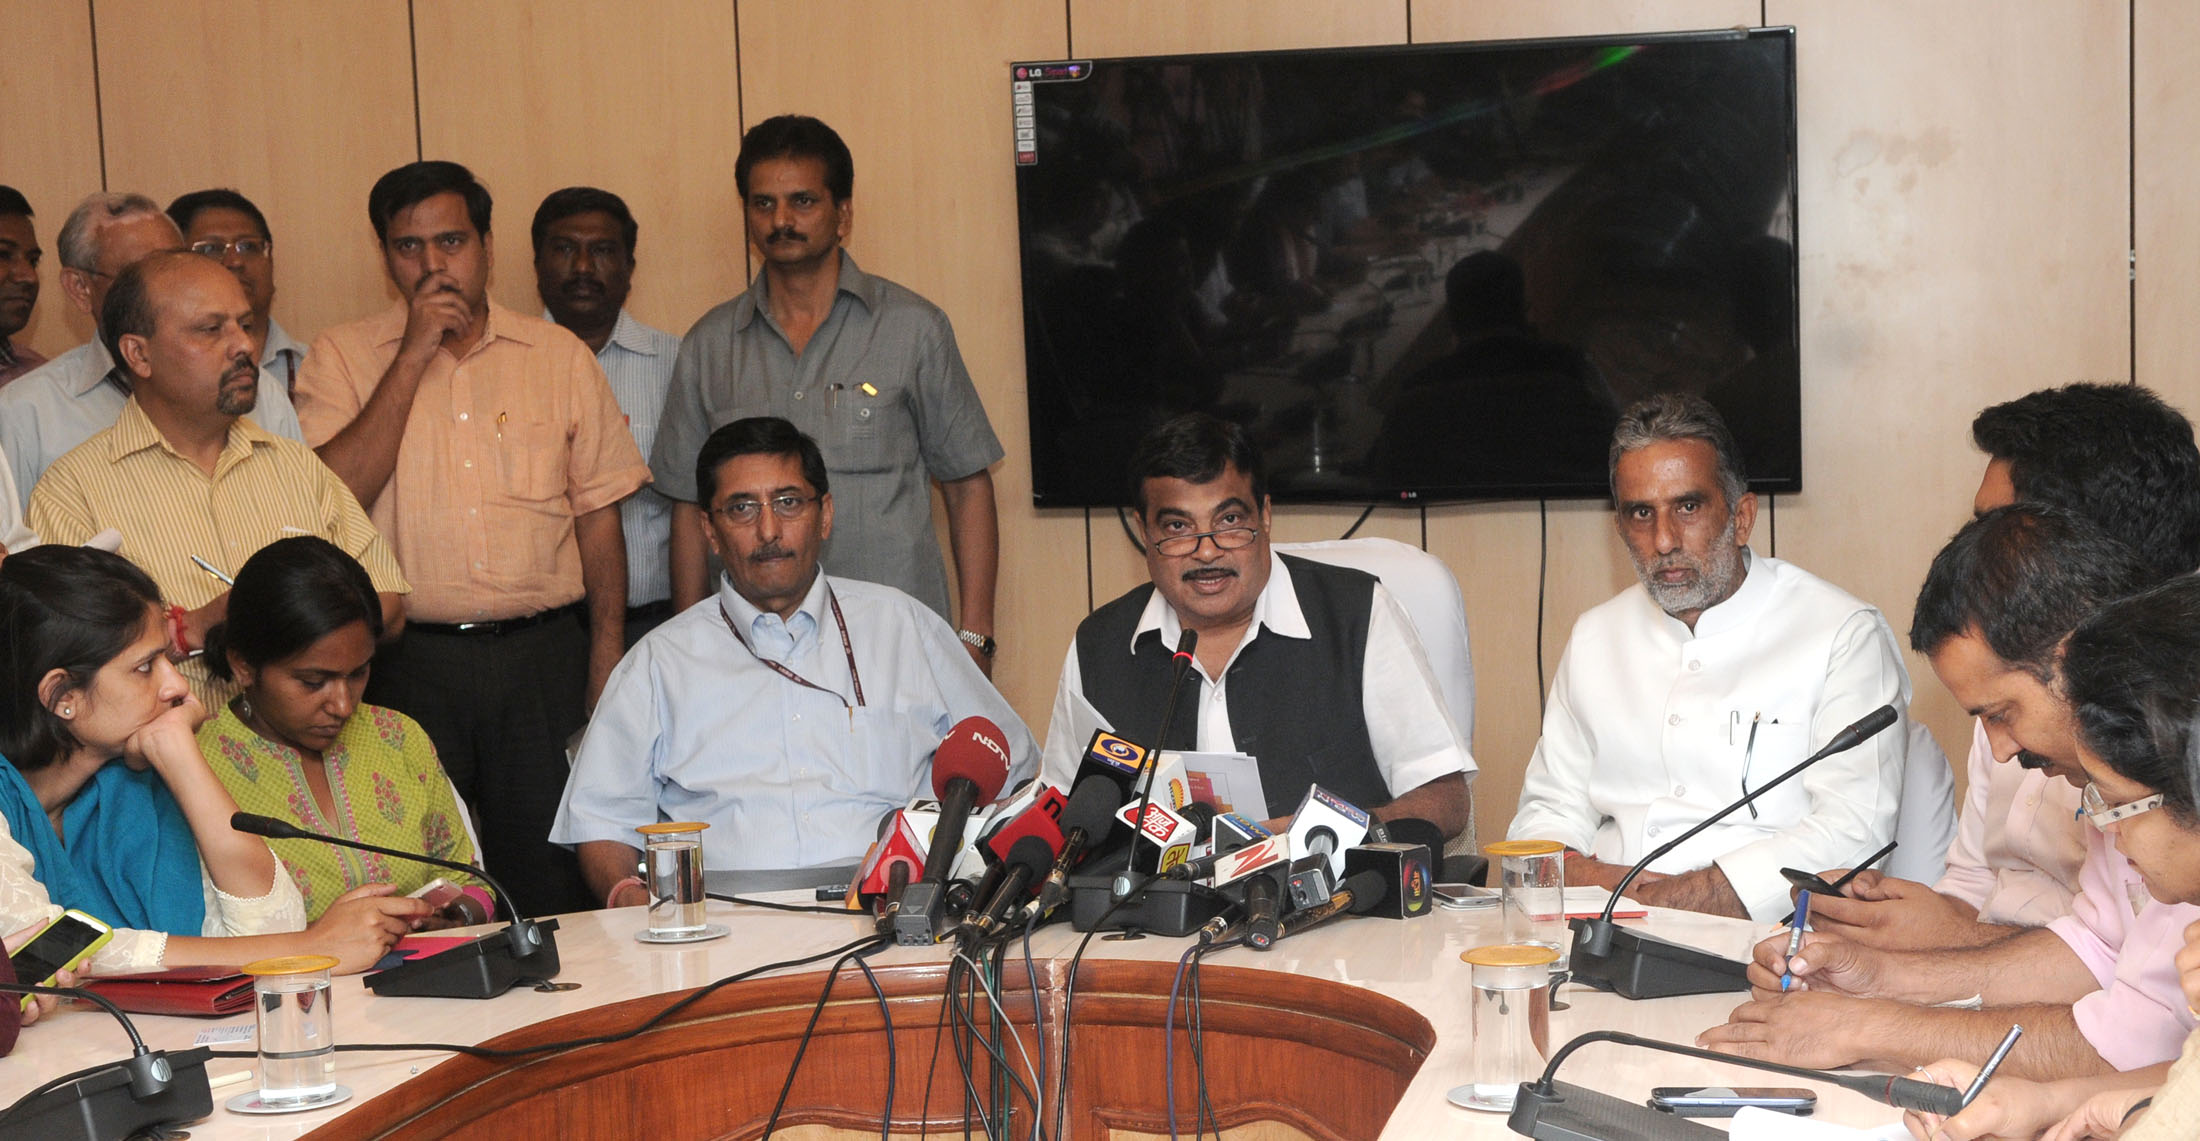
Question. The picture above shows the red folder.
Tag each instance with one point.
(199, 992)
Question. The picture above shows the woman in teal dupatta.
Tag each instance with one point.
(108, 806)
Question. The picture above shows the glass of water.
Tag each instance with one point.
(1512, 1022)
(673, 858)
(297, 1038)
(1533, 885)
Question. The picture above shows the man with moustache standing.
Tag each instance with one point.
(183, 472)
(863, 366)
(65, 401)
(19, 257)
(487, 446)
(1720, 671)
(584, 266)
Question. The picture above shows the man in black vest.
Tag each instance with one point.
(1313, 669)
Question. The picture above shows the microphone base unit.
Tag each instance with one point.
(99, 1106)
(922, 916)
(1571, 1113)
(1636, 964)
(483, 968)
(1166, 907)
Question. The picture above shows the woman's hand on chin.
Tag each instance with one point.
(171, 738)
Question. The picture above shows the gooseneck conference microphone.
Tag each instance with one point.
(483, 968)
(1556, 1111)
(121, 1099)
(1180, 664)
(1635, 964)
(968, 769)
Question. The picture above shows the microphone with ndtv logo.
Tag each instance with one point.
(968, 769)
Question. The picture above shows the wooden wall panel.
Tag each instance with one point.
(535, 95)
(920, 92)
(300, 107)
(1962, 208)
(2165, 212)
(50, 147)
(1102, 28)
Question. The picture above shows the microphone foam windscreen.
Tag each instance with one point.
(1092, 806)
(1407, 830)
(1032, 854)
(1202, 817)
(975, 750)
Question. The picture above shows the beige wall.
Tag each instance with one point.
(1966, 202)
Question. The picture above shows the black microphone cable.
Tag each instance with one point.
(747, 901)
(869, 946)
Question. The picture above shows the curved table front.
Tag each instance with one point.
(1356, 1029)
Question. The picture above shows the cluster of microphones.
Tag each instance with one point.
(1126, 845)
(963, 864)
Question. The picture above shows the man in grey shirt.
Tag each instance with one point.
(863, 366)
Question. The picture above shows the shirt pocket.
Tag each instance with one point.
(885, 765)
(872, 426)
(532, 458)
(1782, 742)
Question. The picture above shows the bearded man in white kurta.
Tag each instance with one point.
(1721, 670)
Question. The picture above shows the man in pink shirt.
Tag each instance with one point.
(2096, 990)
(2121, 457)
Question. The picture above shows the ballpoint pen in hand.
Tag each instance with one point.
(1795, 936)
(1993, 1063)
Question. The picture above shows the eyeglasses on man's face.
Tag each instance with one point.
(747, 511)
(250, 249)
(1225, 539)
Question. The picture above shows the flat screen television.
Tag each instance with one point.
(1419, 273)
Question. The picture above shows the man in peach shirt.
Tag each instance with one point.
(489, 450)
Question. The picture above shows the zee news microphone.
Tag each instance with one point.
(1636, 964)
(483, 968)
(968, 769)
(152, 1088)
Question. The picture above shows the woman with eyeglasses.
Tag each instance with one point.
(2132, 675)
(106, 804)
(297, 744)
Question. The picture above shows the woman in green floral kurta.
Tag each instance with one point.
(297, 745)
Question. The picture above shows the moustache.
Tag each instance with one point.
(1209, 572)
(786, 235)
(2028, 759)
(581, 284)
(770, 552)
(242, 365)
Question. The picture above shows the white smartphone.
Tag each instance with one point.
(439, 893)
(1720, 1101)
(1463, 896)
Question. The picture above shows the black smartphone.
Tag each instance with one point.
(1811, 882)
(1720, 1101)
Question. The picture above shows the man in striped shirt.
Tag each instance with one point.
(183, 473)
(584, 267)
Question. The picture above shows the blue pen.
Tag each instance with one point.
(1795, 936)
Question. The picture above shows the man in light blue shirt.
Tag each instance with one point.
(79, 394)
(790, 710)
(584, 267)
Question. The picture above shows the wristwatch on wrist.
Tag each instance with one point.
(978, 642)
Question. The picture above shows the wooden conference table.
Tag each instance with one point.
(1355, 1029)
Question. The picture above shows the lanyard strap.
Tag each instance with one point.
(846, 647)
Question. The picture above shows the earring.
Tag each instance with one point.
(67, 711)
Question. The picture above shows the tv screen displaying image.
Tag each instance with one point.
(1433, 272)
